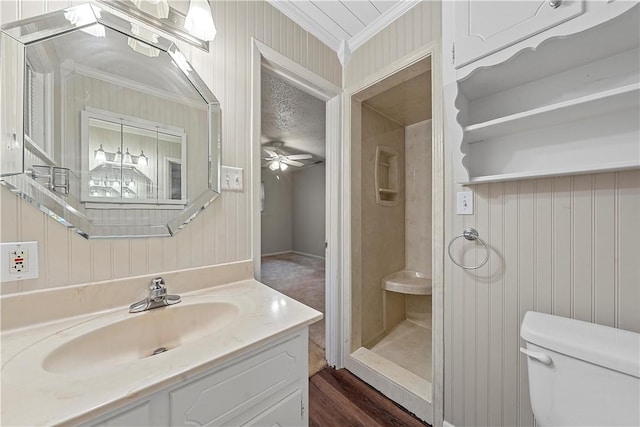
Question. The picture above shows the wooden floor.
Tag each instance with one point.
(338, 398)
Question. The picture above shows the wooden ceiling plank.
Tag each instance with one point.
(341, 15)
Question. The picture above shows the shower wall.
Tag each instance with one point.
(418, 214)
(381, 248)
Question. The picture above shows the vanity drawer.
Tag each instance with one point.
(251, 385)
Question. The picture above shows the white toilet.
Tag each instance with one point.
(581, 374)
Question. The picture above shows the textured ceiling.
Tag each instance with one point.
(293, 117)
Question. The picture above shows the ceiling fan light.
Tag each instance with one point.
(283, 166)
(274, 165)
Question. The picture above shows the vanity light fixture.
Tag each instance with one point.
(199, 20)
(142, 159)
(127, 158)
(100, 156)
(157, 8)
(118, 156)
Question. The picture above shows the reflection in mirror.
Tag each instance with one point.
(120, 135)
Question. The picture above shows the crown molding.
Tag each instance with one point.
(308, 24)
(343, 48)
(380, 23)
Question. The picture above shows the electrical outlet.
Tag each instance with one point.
(19, 261)
(464, 204)
(232, 179)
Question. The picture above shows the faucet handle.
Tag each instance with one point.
(157, 289)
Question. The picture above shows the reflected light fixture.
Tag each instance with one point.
(199, 20)
(157, 8)
(118, 156)
(139, 45)
(142, 159)
(100, 156)
(127, 158)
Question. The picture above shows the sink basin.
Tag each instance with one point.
(138, 336)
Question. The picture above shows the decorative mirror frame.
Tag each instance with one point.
(14, 38)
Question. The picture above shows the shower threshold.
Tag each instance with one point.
(394, 378)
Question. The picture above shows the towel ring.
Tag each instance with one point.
(469, 234)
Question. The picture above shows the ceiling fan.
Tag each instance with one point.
(278, 159)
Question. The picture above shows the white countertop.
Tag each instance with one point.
(31, 395)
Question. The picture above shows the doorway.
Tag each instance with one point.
(395, 231)
(293, 175)
(266, 61)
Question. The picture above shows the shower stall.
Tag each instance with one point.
(391, 237)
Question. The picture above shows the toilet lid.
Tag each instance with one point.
(612, 348)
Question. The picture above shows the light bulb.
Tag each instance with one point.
(199, 20)
(283, 166)
(127, 158)
(157, 8)
(100, 156)
(142, 159)
(274, 165)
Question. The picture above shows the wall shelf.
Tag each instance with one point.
(600, 103)
(562, 117)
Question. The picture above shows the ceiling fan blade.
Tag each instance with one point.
(292, 162)
(299, 156)
(271, 152)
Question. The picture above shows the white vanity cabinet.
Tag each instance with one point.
(532, 90)
(266, 386)
(483, 27)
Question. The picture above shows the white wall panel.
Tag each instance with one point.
(222, 232)
(411, 31)
(565, 246)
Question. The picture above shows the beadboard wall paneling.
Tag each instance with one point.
(565, 246)
(219, 234)
(411, 31)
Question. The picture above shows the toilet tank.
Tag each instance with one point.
(581, 374)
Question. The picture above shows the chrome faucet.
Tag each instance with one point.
(157, 297)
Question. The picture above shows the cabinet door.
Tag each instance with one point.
(484, 27)
(139, 415)
(287, 412)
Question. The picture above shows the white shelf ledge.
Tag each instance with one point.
(609, 101)
(618, 166)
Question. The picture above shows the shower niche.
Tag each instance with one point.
(391, 238)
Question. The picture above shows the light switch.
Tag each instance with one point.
(19, 261)
(231, 179)
(464, 203)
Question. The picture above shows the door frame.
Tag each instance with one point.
(432, 50)
(311, 83)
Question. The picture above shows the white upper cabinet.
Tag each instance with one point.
(488, 26)
(532, 90)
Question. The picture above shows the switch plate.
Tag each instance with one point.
(231, 179)
(464, 205)
(19, 261)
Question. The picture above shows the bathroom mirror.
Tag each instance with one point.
(106, 127)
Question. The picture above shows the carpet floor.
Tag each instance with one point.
(301, 278)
